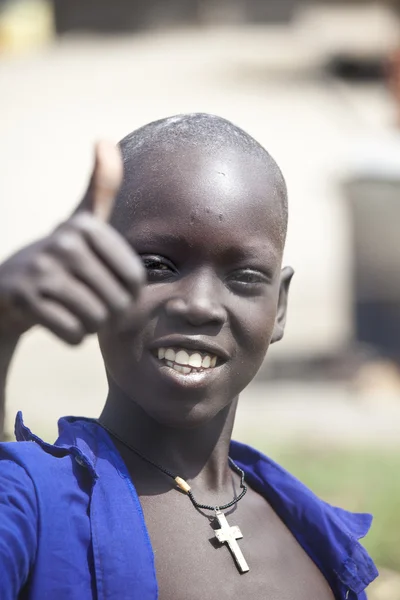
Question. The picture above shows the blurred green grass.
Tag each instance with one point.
(357, 479)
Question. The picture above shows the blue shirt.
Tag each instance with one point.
(72, 527)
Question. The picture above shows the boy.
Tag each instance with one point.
(185, 290)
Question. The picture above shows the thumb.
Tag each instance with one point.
(105, 180)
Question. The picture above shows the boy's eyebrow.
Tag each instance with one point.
(148, 235)
(265, 257)
(235, 253)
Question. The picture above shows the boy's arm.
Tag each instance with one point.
(8, 343)
(18, 528)
(80, 278)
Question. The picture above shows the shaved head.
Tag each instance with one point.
(149, 148)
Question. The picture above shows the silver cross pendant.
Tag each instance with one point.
(228, 535)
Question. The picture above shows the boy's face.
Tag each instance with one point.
(207, 228)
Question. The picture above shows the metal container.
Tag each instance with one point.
(374, 205)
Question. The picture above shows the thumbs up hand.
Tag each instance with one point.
(80, 276)
(105, 181)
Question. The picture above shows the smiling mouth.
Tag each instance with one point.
(185, 361)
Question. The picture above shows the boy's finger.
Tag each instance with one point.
(58, 320)
(105, 181)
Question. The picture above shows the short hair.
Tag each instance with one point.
(206, 131)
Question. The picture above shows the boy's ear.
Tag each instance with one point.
(280, 321)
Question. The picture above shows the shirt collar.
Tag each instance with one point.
(71, 440)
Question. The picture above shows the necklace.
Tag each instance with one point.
(225, 534)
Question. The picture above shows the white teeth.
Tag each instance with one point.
(182, 369)
(182, 357)
(195, 360)
(170, 354)
(186, 361)
(205, 363)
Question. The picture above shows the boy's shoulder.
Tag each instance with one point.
(35, 454)
(284, 489)
(329, 534)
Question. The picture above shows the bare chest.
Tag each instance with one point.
(192, 564)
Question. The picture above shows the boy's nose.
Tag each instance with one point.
(197, 301)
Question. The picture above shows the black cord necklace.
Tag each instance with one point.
(181, 483)
(225, 534)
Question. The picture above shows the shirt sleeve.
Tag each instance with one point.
(18, 528)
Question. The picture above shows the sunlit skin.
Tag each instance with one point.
(213, 260)
(191, 258)
(206, 229)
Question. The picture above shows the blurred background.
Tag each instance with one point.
(318, 84)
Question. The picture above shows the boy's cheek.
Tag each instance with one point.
(134, 319)
(125, 342)
(257, 326)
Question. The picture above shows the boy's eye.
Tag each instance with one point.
(158, 267)
(247, 280)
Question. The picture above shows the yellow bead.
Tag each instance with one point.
(182, 484)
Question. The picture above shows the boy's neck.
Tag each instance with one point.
(198, 454)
